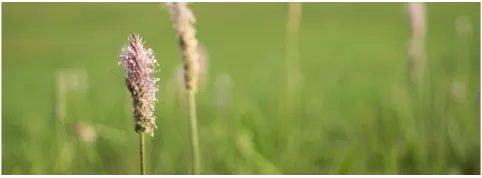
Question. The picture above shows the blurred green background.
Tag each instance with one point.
(65, 109)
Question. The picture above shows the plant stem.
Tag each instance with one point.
(293, 73)
(142, 153)
(292, 51)
(196, 157)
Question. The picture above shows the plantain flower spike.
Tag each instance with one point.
(139, 66)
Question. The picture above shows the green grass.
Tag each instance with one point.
(356, 113)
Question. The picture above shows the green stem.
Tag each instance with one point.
(196, 157)
(142, 153)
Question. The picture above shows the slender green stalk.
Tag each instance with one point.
(292, 52)
(142, 153)
(196, 156)
(60, 112)
(292, 97)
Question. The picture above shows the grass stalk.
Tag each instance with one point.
(60, 95)
(196, 156)
(142, 153)
(292, 96)
(292, 50)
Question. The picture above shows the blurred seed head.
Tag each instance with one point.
(84, 132)
(67, 80)
(139, 66)
(416, 12)
(417, 23)
(457, 89)
(72, 79)
(202, 65)
(183, 12)
(223, 91)
(183, 21)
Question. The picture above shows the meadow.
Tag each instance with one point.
(353, 110)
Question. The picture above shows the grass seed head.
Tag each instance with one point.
(183, 21)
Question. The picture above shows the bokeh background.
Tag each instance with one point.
(65, 109)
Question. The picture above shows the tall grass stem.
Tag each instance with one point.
(142, 153)
(196, 156)
(292, 49)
